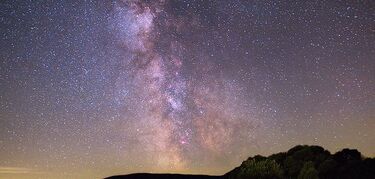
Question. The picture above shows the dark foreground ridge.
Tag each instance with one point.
(302, 162)
(162, 176)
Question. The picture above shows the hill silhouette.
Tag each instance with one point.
(302, 162)
(163, 176)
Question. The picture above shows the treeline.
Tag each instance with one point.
(306, 162)
(300, 162)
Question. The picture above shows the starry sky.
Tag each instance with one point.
(90, 89)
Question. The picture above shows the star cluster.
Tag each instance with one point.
(90, 89)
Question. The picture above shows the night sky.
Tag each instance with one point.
(90, 89)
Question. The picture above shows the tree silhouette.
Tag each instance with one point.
(302, 162)
(305, 161)
(308, 171)
(263, 168)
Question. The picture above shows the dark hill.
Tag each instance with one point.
(162, 176)
(302, 162)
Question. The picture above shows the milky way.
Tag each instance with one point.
(91, 89)
(179, 109)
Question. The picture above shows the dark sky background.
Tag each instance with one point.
(90, 89)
